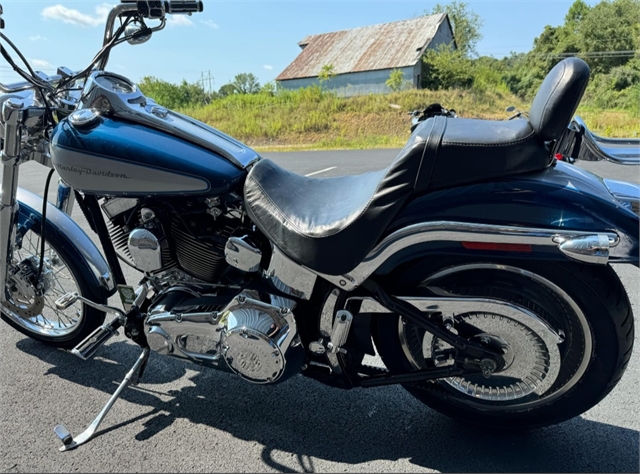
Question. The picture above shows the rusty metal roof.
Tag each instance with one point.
(383, 46)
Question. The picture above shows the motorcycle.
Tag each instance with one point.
(477, 266)
(431, 110)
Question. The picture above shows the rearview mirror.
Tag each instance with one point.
(137, 33)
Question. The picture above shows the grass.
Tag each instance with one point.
(311, 118)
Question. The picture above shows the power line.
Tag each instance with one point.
(208, 79)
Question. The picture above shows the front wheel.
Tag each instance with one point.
(32, 299)
(544, 382)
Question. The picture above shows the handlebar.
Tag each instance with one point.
(158, 8)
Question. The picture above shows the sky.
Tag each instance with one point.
(236, 36)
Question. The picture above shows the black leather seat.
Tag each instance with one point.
(330, 224)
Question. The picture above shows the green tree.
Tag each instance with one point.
(227, 89)
(396, 80)
(447, 67)
(270, 88)
(171, 95)
(246, 83)
(466, 25)
(610, 26)
(326, 73)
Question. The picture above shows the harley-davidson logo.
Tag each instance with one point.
(89, 171)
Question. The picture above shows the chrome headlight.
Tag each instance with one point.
(627, 194)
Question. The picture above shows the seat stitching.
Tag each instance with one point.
(499, 144)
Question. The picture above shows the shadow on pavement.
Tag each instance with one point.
(311, 421)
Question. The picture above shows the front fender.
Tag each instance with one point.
(562, 197)
(59, 227)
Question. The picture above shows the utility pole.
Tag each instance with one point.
(209, 79)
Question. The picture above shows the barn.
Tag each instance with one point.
(363, 58)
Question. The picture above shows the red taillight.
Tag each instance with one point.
(498, 247)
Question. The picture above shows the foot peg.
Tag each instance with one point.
(88, 347)
(65, 301)
(68, 441)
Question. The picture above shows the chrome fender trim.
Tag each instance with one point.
(591, 247)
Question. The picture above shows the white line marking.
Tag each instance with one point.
(321, 171)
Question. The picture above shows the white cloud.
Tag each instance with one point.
(74, 17)
(178, 20)
(210, 24)
(41, 64)
(268, 67)
(37, 38)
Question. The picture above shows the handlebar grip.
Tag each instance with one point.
(184, 6)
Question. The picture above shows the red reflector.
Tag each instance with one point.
(492, 246)
(559, 156)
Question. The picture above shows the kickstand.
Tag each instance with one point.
(132, 377)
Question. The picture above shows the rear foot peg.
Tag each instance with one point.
(132, 377)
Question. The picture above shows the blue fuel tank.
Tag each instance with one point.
(115, 157)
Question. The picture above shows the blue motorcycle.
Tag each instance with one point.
(476, 266)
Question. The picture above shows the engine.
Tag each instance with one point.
(256, 340)
(155, 237)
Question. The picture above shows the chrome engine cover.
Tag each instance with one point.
(145, 250)
(256, 340)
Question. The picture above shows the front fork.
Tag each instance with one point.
(12, 114)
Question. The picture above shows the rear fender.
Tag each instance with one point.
(562, 197)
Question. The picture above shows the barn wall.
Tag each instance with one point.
(355, 83)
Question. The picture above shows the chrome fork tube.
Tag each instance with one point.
(66, 198)
(11, 116)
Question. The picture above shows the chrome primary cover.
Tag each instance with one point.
(256, 339)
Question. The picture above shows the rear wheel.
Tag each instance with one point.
(544, 382)
(32, 299)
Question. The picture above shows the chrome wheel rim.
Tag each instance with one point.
(533, 360)
(544, 359)
(36, 307)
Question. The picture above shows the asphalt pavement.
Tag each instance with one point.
(184, 418)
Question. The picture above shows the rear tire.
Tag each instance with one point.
(40, 319)
(588, 304)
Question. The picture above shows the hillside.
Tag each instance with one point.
(314, 119)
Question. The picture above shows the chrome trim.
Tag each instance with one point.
(145, 250)
(297, 277)
(66, 198)
(242, 255)
(627, 193)
(448, 231)
(11, 116)
(326, 326)
(589, 249)
(622, 151)
(340, 331)
(84, 117)
(256, 339)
